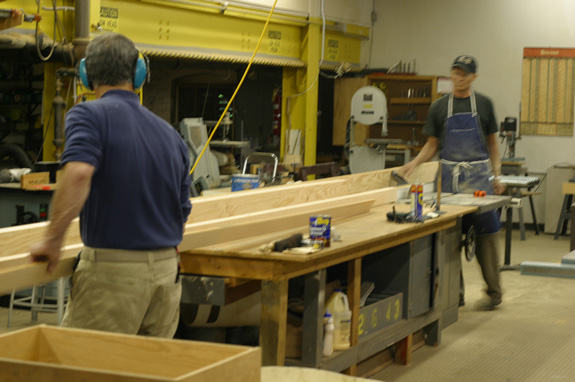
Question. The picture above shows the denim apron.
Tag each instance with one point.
(465, 163)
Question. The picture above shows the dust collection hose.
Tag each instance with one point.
(17, 153)
(237, 88)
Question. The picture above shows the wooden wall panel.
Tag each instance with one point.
(548, 91)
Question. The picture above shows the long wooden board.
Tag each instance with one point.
(241, 230)
(17, 272)
(18, 239)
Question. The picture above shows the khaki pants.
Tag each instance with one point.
(126, 291)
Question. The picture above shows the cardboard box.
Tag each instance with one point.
(49, 354)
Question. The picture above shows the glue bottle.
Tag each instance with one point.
(338, 306)
(328, 330)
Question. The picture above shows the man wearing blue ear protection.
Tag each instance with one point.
(125, 172)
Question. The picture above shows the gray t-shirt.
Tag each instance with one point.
(435, 124)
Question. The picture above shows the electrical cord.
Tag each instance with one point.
(237, 88)
(44, 58)
(540, 183)
(373, 19)
(206, 99)
(339, 71)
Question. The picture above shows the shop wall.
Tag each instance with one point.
(495, 32)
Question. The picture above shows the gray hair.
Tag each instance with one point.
(111, 60)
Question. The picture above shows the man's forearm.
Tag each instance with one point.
(73, 190)
(494, 155)
(428, 151)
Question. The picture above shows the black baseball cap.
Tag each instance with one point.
(465, 62)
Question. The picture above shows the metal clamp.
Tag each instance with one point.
(266, 157)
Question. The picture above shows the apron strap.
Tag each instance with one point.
(473, 105)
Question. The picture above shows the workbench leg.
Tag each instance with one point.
(508, 231)
(273, 322)
(572, 245)
(312, 336)
(404, 350)
(533, 214)
(354, 297)
(432, 333)
(562, 223)
(521, 219)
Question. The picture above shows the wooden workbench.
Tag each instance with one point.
(224, 233)
(362, 235)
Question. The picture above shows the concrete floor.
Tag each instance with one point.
(529, 338)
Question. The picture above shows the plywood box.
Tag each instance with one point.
(49, 354)
(34, 179)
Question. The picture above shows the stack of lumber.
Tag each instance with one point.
(273, 210)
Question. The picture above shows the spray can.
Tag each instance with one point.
(416, 195)
(419, 209)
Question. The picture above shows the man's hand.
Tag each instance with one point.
(46, 251)
(498, 187)
(406, 169)
(426, 153)
(73, 190)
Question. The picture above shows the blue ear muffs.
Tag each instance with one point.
(140, 73)
(84, 74)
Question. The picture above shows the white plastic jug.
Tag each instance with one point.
(338, 306)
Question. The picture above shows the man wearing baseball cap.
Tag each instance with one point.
(463, 128)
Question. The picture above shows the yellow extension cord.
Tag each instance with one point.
(237, 89)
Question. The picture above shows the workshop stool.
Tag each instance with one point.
(37, 301)
(568, 190)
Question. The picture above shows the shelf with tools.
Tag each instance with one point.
(408, 100)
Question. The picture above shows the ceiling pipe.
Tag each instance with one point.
(26, 43)
(81, 28)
